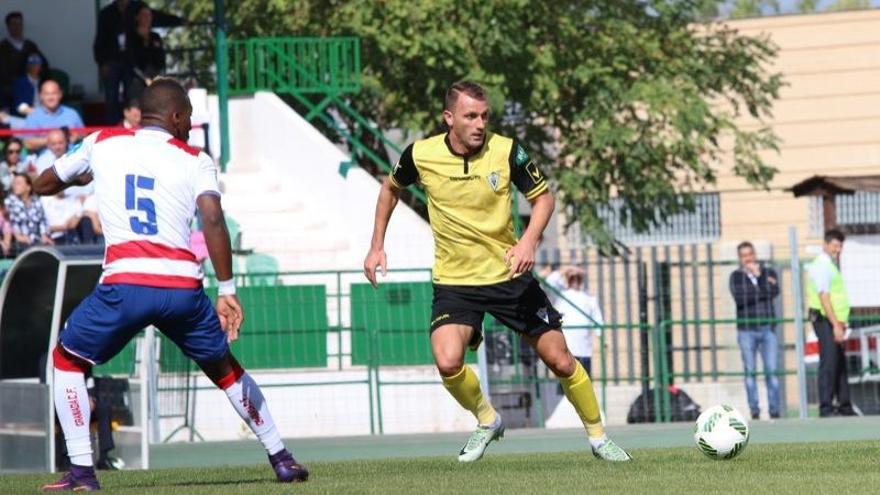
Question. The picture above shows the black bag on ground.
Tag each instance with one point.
(683, 407)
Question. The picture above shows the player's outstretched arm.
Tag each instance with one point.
(389, 195)
(217, 240)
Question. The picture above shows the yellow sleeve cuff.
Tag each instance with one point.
(537, 191)
(394, 181)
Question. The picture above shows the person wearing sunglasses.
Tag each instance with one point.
(11, 163)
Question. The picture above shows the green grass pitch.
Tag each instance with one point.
(804, 468)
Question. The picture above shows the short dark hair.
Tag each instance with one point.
(743, 245)
(834, 235)
(12, 15)
(164, 96)
(469, 88)
(27, 178)
(132, 103)
(14, 140)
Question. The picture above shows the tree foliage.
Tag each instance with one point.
(807, 6)
(753, 8)
(842, 5)
(634, 100)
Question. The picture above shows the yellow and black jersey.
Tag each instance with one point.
(469, 203)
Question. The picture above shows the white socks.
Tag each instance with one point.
(250, 404)
(598, 442)
(72, 406)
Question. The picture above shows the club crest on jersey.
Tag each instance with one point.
(521, 156)
(494, 178)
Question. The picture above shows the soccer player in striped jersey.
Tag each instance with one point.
(148, 183)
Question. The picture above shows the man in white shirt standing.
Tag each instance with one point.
(581, 314)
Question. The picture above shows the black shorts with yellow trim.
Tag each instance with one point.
(520, 304)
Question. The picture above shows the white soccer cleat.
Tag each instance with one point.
(610, 451)
(476, 445)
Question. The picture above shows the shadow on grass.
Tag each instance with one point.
(191, 483)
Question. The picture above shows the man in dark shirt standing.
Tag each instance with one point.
(109, 51)
(14, 52)
(754, 288)
(115, 25)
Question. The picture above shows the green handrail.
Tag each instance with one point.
(305, 65)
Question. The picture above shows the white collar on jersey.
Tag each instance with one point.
(155, 128)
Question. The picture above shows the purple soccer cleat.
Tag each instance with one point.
(287, 470)
(78, 479)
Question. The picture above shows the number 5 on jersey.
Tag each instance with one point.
(134, 185)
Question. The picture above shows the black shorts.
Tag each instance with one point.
(520, 304)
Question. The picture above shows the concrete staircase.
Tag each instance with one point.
(284, 188)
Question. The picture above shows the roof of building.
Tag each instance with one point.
(820, 185)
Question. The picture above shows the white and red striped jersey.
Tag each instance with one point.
(146, 185)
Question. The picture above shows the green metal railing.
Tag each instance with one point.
(379, 331)
(318, 73)
(663, 378)
(322, 66)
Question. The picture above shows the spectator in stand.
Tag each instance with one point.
(24, 89)
(146, 52)
(57, 144)
(63, 215)
(116, 22)
(109, 52)
(5, 233)
(754, 288)
(14, 50)
(89, 230)
(29, 225)
(131, 114)
(73, 214)
(50, 114)
(11, 163)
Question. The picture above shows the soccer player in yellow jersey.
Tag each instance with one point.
(479, 265)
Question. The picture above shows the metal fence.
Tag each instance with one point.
(329, 341)
(673, 324)
(305, 65)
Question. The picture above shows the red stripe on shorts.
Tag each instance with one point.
(153, 280)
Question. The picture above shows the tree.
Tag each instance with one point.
(753, 8)
(630, 100)
(842, 5)
(807, 6)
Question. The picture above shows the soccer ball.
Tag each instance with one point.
(721, 432)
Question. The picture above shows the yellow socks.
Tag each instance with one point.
(579, 391)
(465, 387)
